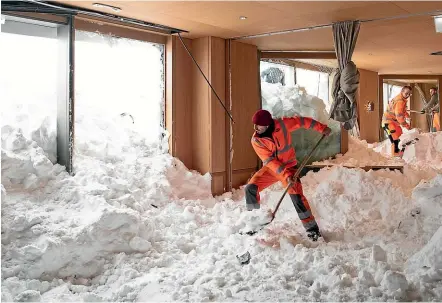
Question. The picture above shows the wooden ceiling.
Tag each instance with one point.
(399, 46)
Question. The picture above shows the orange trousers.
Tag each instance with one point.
(266, 177)
(393, 129)
(436, 122)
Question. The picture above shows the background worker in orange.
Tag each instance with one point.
(394, 117)
(433, 108)
(273, 144)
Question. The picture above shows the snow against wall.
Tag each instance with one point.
(137, 226)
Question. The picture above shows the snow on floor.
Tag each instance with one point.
(426, 154)
(138, 226)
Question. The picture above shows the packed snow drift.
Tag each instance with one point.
(133, 224)
(288, 101)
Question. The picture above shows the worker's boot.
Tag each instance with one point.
(393, 150)
(399, 154)
(394, 153)
(314, 234)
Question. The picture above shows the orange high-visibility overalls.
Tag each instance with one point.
(393, 119)
(279, 160)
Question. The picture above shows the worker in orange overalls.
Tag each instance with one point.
(272, 143)
(433, 108)
(394, 118)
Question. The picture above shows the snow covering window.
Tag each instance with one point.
(119, 94)
(29, 91)
(315, 83)
(284, 98)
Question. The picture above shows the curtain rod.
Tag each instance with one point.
(288, 31)
(47, 7)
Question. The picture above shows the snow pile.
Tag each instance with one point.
(427, 152)
(24, 161)
(358, 155)
(357, 199)
(288, 101)
(60, 226)
(425, 267)
(133, 224)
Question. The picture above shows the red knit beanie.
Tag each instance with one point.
(262, 118)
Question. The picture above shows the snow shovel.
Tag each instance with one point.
(295, 177)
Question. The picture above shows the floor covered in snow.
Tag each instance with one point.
(135, 225)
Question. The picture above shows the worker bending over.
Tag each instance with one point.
(272, 143)
(394, 118)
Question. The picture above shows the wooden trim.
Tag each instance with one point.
(416, 77)
(393, 82)
(380, 105)
(297, 55)
(219, 173)
(39, 17)
(259, 162)
(366, 168)
(169, 75)
(228, 122)
(439, 83)
(344, 140)
(244, 170)
(117, 29)
(295, 64)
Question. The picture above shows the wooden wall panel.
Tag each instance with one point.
(217, 73)
(219, 183)
(368, 91)
(439, 84)
(218, 130)
(179, 78)
(201, 107)
(240, 177)
(245, 100)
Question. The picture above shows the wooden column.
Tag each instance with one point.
(179, 95)
(368, 91)
(208, 124)
(245, 100)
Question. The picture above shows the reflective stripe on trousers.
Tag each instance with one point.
(304, 212)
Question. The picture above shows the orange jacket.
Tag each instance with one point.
(278, 154)
(396, 112)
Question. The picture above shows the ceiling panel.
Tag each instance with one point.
(419, 6)
(388, 46)
(317, 39)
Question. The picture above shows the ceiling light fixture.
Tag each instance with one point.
(242, 18)
(438, 23)
(101, 5)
